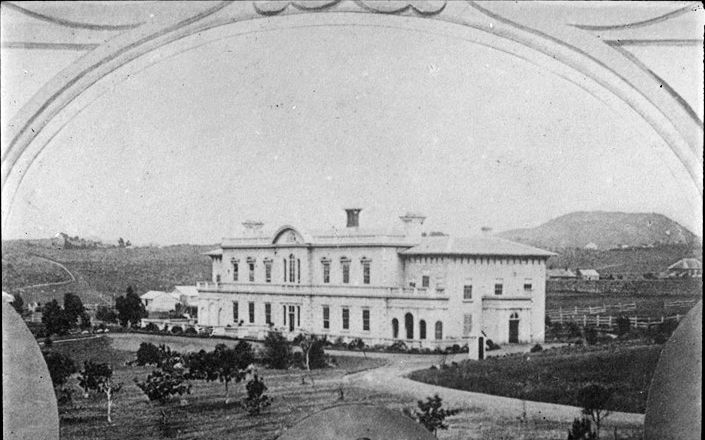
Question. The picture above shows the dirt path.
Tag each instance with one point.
(60, 283)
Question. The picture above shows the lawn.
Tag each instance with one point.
(556, 375)
(204, 414)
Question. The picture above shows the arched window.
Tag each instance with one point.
(292, 268)
(409, 325)
(395, 328)
(514, 315)
(439, 330)
(422, 329)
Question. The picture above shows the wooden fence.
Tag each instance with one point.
(609, 321)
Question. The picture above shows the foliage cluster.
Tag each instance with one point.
(431, 414)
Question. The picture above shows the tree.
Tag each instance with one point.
(55, 320)
(623, 325)
(73, 308)
(277, 351)
(18, 304)
(256, 400)
(121, 242)
(130, 308)
(432, 416)
(222, 364)
(98, 377)
(593, 399)
(106, 314)
(148, 354)
(60, 366)
(169, 380)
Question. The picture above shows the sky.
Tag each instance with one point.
(293, 126)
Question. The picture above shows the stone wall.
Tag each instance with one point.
(662, 287)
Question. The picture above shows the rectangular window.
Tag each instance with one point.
(284, 314)
(236, 271)
(326, 317)
(366, 320)
(252, 272)
(366, 272)
(498, 287)
(284, 259)
(346, 318)
(326, 273)
(346, 272)
(467, 324)
(467, 291)
(252, 313)
(217, 278)
(268, 313)
(528, 287)
(236, 313)
(298, 271)
(412, 284)
(425, 281)
(268, 271)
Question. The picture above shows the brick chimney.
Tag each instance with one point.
(353, 217)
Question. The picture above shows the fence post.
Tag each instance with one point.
(678, 317)
(584, 320)
(610, 321)
(576, 310)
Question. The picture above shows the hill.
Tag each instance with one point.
(40, 273)
(607, 230)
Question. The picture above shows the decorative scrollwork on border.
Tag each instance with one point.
(421, 7)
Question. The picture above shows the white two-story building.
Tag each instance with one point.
(381, 286)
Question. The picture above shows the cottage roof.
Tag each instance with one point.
(588, 272)
(186, 290)
(153, 294)
(686, 263)
(447, 245)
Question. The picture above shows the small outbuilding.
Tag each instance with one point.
(588, 274)
(558, 274)
(158, 301)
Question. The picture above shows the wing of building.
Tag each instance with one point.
(378, 285)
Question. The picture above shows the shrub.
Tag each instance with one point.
(547, 321)
(491, 345)
(60, 366)
(256, 400)
(398, 346)
(151, 327)
(623, 325)
(356, 344)
(590, 335)
(593, 399)
(581, 430)
(190, 331)
(432, 416)
(277, 351)
(536, 348)
(148, 354)
(317, 355)
(177, 330)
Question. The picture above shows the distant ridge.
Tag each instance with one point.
(606, 230)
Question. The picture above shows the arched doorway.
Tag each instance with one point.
(514, 328)
(422, 329)
(439, 330)
(409, 325)
(395, 328)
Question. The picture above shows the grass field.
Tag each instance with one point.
(205, 416)
(101, 274)
(557, 375)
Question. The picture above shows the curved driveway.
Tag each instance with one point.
(391, 378)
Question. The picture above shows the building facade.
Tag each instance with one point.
(380, 286)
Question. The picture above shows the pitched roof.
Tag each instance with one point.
(686, 263)
(474, 246)
(589, 272)
(186, 290)
(153, 294)
(560, 273)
